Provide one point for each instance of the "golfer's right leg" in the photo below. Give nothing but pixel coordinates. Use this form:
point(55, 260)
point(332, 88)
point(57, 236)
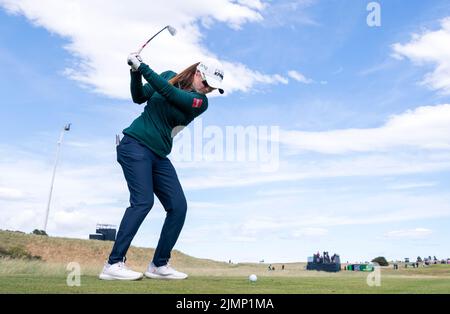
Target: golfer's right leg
point(136, 163)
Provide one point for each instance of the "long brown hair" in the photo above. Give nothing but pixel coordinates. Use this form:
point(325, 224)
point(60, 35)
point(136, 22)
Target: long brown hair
point(184, 79)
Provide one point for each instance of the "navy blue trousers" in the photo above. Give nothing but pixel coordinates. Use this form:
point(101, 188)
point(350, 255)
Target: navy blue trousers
point(147, 173)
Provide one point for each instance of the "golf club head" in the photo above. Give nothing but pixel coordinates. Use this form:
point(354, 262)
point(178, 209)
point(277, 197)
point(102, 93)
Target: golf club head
point(171, 30)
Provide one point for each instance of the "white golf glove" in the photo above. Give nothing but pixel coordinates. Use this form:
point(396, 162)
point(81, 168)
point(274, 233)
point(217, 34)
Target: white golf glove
point(134, 60)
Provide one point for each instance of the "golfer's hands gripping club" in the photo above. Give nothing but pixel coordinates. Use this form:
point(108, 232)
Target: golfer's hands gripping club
point(134, 60)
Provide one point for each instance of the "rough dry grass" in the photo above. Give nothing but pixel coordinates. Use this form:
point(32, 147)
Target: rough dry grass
point(206, 276)
point(88, 253)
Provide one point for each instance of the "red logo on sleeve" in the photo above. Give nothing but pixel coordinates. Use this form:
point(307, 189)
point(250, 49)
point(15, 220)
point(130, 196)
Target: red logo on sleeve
point(197, 103)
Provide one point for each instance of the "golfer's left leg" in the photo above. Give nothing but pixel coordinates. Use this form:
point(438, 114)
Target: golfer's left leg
point(168, 189)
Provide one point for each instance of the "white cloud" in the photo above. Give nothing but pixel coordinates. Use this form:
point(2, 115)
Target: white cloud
point(430, 47)
point(423, 128)
point(299, 77)
point(310, 232)
point(254, 4)
point(247, 78)
point(234, 175)
point(100, 35)
point(297, 216)
point(279, 192)
point(417, 233)
point(410, 143)
point(414, 185)
point(298, 212)
point(289, 13)
point(10, 194)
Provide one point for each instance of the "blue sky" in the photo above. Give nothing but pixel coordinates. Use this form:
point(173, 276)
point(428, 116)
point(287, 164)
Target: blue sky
point(363, 163)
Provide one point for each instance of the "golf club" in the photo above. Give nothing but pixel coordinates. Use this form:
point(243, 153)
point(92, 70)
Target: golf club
point(171, 30)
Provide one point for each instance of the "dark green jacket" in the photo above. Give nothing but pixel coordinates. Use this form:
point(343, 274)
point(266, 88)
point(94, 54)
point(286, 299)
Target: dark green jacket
point(167, 107)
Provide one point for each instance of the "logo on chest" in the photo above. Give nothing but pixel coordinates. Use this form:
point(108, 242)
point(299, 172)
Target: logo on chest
point(197, 102)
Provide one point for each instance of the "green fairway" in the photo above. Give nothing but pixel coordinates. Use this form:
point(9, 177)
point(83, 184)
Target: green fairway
point(227, 285)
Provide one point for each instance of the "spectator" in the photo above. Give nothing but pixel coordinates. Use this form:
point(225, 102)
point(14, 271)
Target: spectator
point(328, 258)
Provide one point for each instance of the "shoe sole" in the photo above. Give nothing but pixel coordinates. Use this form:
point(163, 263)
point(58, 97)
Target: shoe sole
point(109, 277)
point(154, 276)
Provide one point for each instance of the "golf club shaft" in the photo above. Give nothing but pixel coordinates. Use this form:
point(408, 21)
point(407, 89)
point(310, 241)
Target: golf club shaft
point(143, 46)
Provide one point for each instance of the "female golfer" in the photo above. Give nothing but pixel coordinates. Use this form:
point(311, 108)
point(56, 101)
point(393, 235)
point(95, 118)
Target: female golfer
point(173, 100)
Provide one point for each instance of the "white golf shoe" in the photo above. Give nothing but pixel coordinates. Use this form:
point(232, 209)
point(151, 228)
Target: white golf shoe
point(119, 271)
point(164, 272)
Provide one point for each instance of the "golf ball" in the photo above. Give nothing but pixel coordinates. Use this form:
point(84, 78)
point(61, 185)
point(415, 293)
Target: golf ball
point(252, 277)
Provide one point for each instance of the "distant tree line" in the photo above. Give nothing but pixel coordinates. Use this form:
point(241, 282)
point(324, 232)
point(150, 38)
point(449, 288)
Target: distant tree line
point(380, 260)
point(39, 232)
point(35, 231)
